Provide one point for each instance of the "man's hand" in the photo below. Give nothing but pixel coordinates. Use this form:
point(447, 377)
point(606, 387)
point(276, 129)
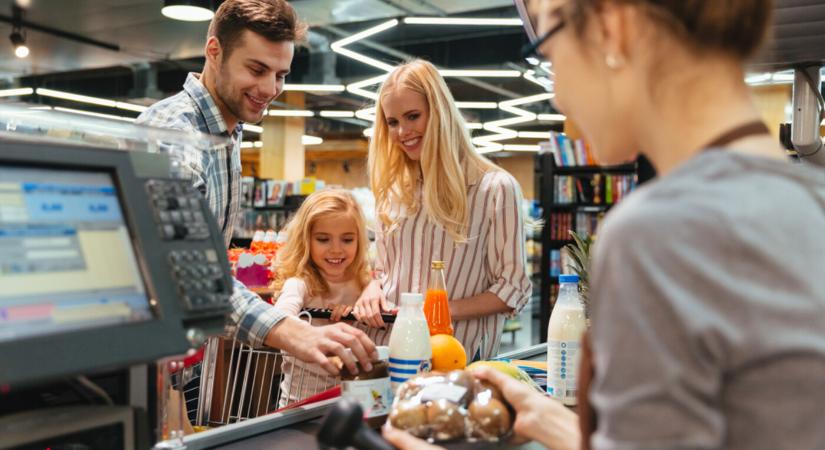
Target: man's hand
point(370, 304)
point(314, 344)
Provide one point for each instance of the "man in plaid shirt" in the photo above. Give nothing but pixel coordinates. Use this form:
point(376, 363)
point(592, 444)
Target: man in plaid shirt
point(248, 52)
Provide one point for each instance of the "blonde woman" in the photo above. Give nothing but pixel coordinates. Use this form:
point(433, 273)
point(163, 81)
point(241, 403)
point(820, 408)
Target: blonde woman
point(438, 199)
point(323, 265)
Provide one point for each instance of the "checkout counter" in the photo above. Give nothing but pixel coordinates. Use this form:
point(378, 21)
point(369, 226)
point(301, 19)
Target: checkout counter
point(111, 261)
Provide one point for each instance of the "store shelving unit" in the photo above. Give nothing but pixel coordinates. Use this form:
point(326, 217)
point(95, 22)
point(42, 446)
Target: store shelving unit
point(546, 173)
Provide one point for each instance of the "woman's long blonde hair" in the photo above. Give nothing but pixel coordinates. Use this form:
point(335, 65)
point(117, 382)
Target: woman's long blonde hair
point(448, 156)
point(294, 258)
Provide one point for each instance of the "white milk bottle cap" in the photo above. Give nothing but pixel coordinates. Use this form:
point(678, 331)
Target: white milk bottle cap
point(412, 299)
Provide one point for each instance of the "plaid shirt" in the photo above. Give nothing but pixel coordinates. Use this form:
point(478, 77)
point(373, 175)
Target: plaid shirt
point(217, 175)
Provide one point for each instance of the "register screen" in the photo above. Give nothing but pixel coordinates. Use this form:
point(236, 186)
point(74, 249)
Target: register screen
point(66, 260)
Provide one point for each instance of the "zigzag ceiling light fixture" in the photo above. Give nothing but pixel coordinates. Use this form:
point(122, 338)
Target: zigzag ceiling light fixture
point(487, 143)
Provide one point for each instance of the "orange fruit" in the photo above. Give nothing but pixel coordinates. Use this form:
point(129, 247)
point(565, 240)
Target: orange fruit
point(448, 353)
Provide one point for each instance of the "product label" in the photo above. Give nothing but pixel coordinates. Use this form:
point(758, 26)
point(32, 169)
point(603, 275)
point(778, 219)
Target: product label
point(402, 370)
point(374, 396)
point(562, 368)
point(451, 392)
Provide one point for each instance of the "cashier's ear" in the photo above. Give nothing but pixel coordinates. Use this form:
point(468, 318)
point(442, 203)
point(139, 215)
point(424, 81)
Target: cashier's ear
point(213, 51)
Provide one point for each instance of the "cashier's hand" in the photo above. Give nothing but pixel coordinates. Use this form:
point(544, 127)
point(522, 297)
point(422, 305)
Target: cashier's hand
point(538, 418)
point(314, 344)
point(405, 441)
point(370, 304)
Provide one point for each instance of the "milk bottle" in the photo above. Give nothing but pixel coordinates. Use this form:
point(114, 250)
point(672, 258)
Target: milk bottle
point(564, 336)
point(410, 351)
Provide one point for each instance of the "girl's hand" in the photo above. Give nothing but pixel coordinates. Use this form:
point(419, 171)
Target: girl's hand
point(339, 311)
point(405, 441)
point(370, 304)
point(538, 418)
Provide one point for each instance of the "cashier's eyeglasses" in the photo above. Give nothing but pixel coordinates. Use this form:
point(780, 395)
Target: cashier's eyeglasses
point(527, 11)
point(531, 50)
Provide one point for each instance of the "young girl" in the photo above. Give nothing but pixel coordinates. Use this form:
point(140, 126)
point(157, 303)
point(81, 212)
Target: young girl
point(323, 265)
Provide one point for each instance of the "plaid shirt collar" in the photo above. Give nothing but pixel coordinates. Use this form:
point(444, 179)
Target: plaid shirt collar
point(206, 104)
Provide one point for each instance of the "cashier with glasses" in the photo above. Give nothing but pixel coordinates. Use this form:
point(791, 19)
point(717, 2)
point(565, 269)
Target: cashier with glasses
point(708, 300)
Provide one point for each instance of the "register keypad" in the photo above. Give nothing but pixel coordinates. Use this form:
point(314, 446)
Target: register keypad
point(200, 279)
point(178, 210)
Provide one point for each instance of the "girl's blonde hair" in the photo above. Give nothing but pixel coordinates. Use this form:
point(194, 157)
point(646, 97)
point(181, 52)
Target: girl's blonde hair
point(448, 157)
point(294, 258)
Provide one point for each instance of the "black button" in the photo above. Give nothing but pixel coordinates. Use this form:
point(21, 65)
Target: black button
point(164, 216)
point(180, 231)
point(173, 203)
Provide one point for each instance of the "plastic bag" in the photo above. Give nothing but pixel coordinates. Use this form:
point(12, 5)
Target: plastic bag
point(453, 406)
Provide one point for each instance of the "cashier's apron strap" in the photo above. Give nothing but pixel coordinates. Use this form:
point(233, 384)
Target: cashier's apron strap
point(587, 415)
point(754, 128)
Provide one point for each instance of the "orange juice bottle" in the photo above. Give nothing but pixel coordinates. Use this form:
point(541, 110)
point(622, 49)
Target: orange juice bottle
point(436, 303)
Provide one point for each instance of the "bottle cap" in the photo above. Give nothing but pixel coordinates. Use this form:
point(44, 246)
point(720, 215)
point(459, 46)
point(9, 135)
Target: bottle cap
point(412, 299)
point(437, 265)
point(383, 352)
point(568, 278)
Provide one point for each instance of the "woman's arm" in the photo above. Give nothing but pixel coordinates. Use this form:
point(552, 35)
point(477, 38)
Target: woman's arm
point(483, 304)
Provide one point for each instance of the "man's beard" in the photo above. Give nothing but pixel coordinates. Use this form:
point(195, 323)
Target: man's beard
point(235, 105)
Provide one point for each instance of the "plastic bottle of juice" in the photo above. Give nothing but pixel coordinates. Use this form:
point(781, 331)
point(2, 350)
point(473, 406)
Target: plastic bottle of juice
point(564, 337)
point(410, 350)
point(436, 303)
point(257, 241)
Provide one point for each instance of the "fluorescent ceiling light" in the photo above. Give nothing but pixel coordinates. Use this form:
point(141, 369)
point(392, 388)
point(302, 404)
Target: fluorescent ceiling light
point(16, 92)
point(783, 76)
point(552, 117)
point(315, 87)
point(525, 100)
point(338, 46)
point(534, 134)
point(247, 144)
point(94, 114)
point(131, 107)
point(368, 132)
point(366, 114)
point(311, 140)
point(520, 148)
point(758, 78)
point(258, 144)
point(357, 87)
point(337, 113)
point(479, 73)
point(477, 105)
point(474, 125)
point(253, 128)
point(187, 10)
point(75, 97)
point(90, 100)
point(462, 21)
point(532, 60)
point(291, 113)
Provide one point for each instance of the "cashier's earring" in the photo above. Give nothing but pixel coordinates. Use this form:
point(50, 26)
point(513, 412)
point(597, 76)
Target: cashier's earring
point(613, 62)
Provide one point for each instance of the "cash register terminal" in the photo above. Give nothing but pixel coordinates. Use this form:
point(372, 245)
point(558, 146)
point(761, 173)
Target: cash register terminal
point(109, 261)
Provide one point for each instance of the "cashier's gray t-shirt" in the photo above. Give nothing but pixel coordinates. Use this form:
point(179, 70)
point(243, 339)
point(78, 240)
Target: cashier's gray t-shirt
point(708, 297)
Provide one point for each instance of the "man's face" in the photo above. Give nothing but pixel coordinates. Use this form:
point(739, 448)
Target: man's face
point(253, 75)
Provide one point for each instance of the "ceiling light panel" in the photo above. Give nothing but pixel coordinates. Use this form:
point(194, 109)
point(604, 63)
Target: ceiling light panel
point(481, 21)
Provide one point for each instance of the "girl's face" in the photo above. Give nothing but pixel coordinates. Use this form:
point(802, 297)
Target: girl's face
point(333, 245)
point(406, 113)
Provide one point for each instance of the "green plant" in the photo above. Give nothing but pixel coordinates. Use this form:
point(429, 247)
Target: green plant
point(579, 252)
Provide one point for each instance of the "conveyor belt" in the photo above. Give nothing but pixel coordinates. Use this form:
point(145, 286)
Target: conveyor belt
point(295, 429)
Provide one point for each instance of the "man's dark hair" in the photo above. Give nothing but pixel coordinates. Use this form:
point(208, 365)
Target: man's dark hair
point(275, 20)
